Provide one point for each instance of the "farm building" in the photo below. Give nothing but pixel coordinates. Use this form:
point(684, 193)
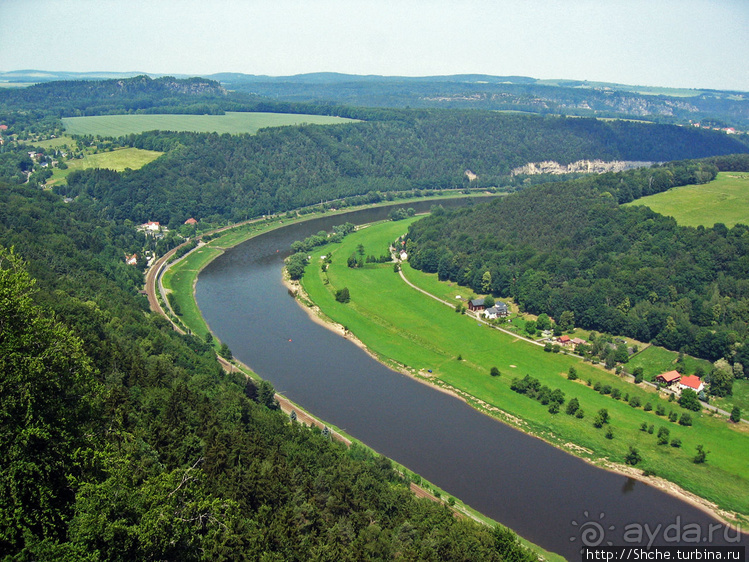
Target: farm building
point(691, 382)
point(476, 304)
point(669, 377)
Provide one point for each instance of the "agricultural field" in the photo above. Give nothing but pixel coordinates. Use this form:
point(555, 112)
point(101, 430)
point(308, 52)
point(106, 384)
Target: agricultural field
point(55, 143)
point(723, 200)
point(413, 331)
point(232, 122)
point(118, 160)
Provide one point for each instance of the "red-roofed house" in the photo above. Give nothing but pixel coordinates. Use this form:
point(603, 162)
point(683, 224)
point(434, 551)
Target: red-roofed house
point(691, 382)
point(191, 221)
point(668, 378)
point(564, 340)
point(3, 127)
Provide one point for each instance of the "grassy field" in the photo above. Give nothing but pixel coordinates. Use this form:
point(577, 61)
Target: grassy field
point(58, 142)
point(232, 123)
point(740, 398)
point(119, 160)
point(403, 325)
point(655, 360)
point(725, 199)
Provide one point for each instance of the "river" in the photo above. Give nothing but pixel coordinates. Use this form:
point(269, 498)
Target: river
point(546, 495)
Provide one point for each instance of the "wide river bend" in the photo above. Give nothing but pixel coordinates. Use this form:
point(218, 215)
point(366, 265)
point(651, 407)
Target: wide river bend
point(546, 495)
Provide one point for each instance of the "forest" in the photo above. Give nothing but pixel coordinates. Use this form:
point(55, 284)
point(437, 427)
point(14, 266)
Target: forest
point(571, 248)
point(240, 177)
point(122, 440)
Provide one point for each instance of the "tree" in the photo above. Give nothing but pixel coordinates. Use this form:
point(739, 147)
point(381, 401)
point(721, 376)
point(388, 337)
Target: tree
point(494, 372)
point(721, 379)
point(633, 456)
point(572, 373)
point(543, 322)
point(489, 301)
point(486, 283)
point(352, 261)
point(689, 400)
point(685, 419)
point(572, 406)
point(45, 410)
point(530, 327)
point(567, 320)
point(225, 352)
point(602, 417)
point(663, 435)
point(342, 295)
point(736, 414)
point(701, 455)
point(638, 373)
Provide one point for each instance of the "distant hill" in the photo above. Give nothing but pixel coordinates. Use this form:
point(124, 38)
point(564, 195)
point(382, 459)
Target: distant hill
point(714, 108)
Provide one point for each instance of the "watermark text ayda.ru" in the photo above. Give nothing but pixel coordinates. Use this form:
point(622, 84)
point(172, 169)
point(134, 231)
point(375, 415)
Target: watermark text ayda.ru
point(596, 532)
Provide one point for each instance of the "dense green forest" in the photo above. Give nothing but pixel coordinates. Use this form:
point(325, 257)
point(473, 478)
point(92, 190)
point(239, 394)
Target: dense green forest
point(622, 270)
point(122, 440)
point(239, 177)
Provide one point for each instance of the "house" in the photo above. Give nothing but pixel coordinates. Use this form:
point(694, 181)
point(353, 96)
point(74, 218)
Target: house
point(578, 341)
point(191, 221)
point(151, 226)
point(131, 260)
point(403, 255)
point(476, 304)
point(3, 127)
point(499, 310)
point(668, 378)
point(691, 382)
point(564, 340)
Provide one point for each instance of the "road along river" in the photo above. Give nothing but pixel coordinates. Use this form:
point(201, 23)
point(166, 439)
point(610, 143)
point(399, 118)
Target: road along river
point(546, 495)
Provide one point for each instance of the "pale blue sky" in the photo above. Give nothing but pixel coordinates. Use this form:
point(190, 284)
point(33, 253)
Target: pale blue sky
point(678, 43)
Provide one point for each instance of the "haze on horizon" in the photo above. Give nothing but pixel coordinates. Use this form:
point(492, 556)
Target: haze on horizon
point(673, 43)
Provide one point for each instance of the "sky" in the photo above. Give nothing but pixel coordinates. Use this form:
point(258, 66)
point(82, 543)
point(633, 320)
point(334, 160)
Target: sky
point(675, 43)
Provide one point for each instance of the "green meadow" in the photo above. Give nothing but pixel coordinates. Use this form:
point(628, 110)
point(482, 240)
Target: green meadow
point(118, 160)
point(723, 200)
point(232, 122)
point(414, 332)
point(655, 360)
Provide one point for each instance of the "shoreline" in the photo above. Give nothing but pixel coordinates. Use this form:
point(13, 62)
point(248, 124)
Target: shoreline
point(666, 486)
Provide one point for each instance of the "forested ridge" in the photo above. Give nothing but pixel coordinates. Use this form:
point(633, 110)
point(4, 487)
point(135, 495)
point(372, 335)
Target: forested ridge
point(122, 440)
point(622, 270)
point(239, 177)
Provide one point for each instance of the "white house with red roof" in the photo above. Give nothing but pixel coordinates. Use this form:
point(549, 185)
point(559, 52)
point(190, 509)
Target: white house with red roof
point(692, 382)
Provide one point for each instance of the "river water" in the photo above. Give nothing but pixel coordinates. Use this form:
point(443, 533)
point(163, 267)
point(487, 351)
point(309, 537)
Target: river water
point(550, 497)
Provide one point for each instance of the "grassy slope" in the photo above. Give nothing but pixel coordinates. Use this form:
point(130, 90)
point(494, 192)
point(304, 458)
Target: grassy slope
point(397, 322)
point(655, 360)
point(231, 122)
point(725, 199)
point(119, 160)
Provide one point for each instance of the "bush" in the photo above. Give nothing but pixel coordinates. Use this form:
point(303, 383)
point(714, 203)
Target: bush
point(736, 414)
point(634, 401)
point(644, 427)
point(632, 457)
point(573, 406)
point(647, 407)
point(663, 435)
point(676, 442)
point(609, 433)
point(494, 372)
point(580, 414)
point(342, 295)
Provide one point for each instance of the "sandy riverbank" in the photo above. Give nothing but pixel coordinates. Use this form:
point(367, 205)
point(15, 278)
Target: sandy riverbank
point(318, 316)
